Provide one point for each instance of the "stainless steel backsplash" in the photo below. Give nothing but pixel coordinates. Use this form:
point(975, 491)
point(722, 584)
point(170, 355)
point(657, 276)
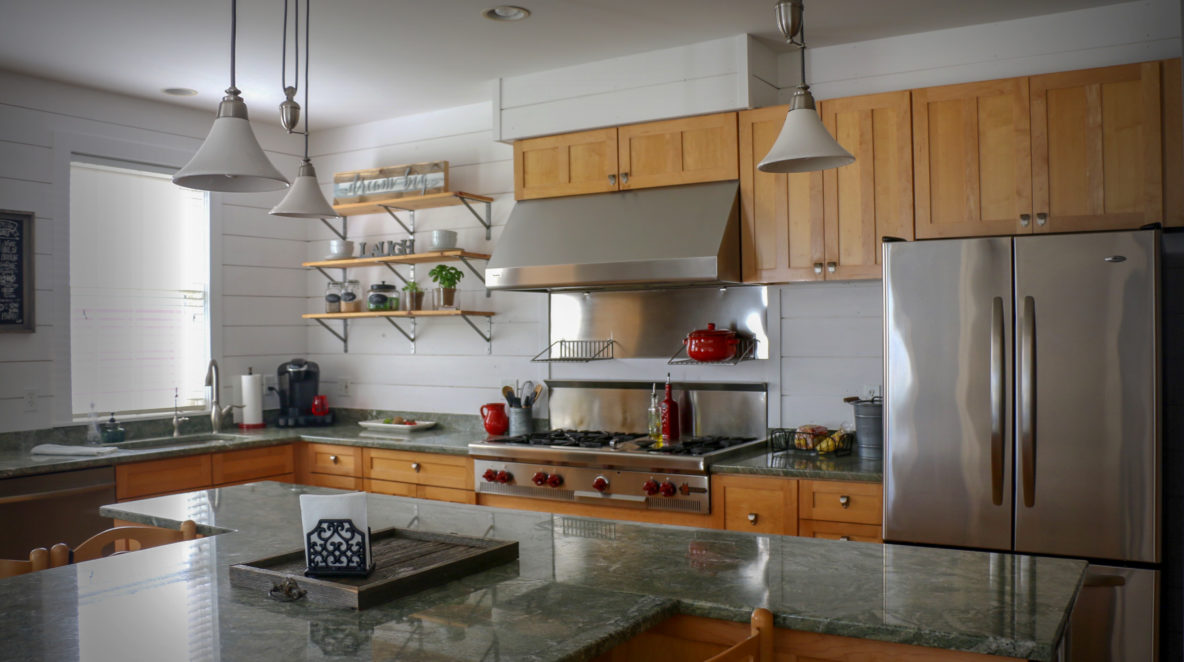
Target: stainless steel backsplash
point(739, 409)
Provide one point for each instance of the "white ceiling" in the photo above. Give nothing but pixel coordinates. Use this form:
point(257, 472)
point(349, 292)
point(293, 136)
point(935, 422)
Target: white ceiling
point(376, 59)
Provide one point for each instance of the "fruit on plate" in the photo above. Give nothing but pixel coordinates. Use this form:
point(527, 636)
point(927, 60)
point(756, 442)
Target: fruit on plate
point(397, 420)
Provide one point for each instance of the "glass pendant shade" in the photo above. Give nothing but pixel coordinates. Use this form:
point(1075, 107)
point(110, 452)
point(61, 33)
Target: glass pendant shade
point(804, 144)
point(304, 199)
point(230, 160)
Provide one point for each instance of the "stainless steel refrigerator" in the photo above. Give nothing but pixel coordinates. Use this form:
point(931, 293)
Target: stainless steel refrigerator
point(1022, 412)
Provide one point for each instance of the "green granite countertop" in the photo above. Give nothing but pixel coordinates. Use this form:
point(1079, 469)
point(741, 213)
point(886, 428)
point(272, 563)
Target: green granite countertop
point(794, 464)
point(580, 587)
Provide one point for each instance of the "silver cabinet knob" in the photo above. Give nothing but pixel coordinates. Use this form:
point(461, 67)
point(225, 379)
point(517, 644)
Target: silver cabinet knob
point(752, 518)
point(333, 459)
point(831, 266)
point(624, 178)
point(612, 180)
point(1041, 218)
point(817, 267)
point(844, 501)
point(1025, 220)
point(844, 537)
point(415, 467)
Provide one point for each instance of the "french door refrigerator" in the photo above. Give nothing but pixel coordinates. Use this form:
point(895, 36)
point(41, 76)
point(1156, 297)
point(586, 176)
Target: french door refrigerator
point(1022, 412)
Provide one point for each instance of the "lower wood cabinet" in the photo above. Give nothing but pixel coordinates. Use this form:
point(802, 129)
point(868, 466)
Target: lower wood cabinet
point(138, 480)
point(252, 464)
point(839, 510)
point(421, 475)
point(758, 505)
point(809, 528)
point(331, 465)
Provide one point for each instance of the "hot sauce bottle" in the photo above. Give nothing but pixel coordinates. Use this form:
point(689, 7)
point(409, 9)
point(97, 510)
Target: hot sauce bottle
point(669, 414)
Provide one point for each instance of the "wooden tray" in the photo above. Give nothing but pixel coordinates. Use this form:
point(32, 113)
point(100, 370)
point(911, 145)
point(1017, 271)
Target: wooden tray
point(405, 562)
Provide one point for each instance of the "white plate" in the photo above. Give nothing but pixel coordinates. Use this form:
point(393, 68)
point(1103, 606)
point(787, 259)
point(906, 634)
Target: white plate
point(347, 256)
point(397, 427)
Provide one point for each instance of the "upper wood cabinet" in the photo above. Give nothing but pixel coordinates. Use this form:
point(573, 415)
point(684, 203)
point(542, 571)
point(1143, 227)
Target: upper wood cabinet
point(1097, 148)
point(567, 164)
point(1173, 143)
point(972, 159)
point(873, 197)
point(681, 151)
point(781, 225)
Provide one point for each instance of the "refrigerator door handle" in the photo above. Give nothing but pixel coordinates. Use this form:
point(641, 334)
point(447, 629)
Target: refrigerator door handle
point(997, 401)
point(1027, 401)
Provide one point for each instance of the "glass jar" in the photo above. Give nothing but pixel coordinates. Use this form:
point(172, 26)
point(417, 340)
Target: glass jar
point(382, 297)
point(333, 297)
point(350, 303)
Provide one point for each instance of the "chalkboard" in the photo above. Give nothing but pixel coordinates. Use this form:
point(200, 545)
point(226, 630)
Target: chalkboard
point(16, 271)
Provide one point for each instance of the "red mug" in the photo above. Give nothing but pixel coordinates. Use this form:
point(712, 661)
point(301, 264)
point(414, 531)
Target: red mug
point(320, 405)
point(494, 414)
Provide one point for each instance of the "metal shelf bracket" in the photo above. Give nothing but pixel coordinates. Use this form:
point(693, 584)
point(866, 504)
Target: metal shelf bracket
point(476, 272)
point(391, 209)
point(409, 336)
point(344, 227)
point(486, 335)
point(396, 271)
point(343, 336)
point(485, 221)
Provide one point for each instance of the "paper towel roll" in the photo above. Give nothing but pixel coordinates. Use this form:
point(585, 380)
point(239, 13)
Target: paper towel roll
point(252, 390)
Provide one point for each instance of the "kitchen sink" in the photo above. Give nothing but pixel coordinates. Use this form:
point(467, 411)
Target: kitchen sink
point(156, 443)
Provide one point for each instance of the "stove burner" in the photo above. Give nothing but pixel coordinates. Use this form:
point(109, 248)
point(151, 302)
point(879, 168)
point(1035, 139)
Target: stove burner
point(700, 445)
point(624, 441)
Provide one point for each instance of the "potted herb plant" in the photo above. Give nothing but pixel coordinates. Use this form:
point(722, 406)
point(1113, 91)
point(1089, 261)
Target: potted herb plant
point(413, 297)
point(447, 278)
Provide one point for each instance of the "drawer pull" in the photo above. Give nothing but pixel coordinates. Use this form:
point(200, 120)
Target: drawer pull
point(844, 501)
point(845, 538)
point(831, 266)
point(752, 518)
point(1025, 220)
point(612, 180)
point(415, 467)
point(333, 459)
point(817, 267)
point(624, 178)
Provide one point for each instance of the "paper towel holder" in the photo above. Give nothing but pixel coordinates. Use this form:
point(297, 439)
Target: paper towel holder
point(337, 548)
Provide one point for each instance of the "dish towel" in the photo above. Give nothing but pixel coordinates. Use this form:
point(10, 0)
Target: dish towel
point(62, 449)
point(334, 546)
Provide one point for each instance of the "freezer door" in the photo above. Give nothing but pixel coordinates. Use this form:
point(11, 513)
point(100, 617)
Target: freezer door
point(1087, 395)
point(947, 392)
point(1116, 617)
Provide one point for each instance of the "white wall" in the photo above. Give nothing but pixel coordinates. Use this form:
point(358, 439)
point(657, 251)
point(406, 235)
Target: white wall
point(255, 258)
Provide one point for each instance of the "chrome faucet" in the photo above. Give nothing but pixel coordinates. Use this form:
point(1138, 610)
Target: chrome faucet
point(178, 419)
point(216, 410)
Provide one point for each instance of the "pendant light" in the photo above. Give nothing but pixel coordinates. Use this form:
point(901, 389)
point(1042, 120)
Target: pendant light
point(230, 159)
point(804, 144)
point(304, 199)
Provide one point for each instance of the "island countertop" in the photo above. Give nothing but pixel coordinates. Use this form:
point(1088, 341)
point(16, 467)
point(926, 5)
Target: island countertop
point(580, 587)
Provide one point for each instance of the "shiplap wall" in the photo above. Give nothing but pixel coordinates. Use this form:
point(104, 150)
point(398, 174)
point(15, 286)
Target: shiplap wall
point(256, 316)
point(452, 369)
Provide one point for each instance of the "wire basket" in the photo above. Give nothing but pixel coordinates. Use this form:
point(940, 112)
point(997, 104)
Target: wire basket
point(576, 351)
point(836, 442)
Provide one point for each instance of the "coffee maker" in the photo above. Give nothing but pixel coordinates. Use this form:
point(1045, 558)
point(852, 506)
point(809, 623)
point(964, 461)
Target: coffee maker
point(297, 383)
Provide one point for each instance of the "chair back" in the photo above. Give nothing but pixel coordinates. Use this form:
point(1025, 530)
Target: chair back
point(758, 647)
point(38, 560)
point(136, 537)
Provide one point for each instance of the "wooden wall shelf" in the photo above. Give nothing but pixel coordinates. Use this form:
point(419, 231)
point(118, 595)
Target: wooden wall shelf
point(410, 335)
point(410, 203)
point(398, 313)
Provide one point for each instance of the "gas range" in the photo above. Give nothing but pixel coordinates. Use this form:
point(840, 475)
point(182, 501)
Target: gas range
point(608, 468)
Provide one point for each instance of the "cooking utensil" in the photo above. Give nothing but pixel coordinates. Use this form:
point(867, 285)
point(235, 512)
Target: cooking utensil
point(508, 392)
point(533, 396)
point(711, 344)
point(525, 389)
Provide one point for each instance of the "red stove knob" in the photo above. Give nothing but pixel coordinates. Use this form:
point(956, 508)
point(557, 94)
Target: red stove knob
point(668, 489)
point(490, 475)
point(600, 484)
point(554, 480)
point(539, 478)
point(504, 476)
point(650, 487)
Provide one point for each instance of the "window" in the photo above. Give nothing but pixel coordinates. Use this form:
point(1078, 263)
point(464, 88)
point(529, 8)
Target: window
point(139, 290)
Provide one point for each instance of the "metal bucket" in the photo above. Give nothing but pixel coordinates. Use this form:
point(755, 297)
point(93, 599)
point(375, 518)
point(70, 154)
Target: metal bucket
point(869, 427)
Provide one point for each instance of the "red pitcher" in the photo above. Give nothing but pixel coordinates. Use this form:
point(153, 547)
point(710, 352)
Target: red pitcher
point(495, 417)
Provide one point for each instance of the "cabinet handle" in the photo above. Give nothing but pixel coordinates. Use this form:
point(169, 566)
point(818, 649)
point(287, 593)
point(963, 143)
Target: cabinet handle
point(612, 180)
point(844, 501)
point(1041, 218)
point(333, 459)
point(845, 538)
point(831, 266)
point(415, 467)
point(752, 518)
point(817, 267)
point(1025, 220)
point(624, 178)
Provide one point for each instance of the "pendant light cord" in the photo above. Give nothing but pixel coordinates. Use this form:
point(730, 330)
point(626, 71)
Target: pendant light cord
point(233, 36)
point(307, 22)
point(295, 46)
point(802, 55)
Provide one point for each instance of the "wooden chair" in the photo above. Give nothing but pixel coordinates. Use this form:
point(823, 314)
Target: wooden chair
point(758, 647)
point(38, 560)
point(139, 536)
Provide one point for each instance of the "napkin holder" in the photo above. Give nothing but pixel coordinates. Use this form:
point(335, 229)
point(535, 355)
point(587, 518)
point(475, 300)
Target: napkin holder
point(337, 548)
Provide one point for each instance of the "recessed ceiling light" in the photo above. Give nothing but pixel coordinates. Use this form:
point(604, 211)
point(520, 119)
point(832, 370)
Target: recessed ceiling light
point(179, 91)
point(506, 13)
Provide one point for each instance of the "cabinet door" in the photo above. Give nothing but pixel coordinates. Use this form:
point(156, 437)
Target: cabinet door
point(1097, 157)
point(454, 471)
point(156, 477)
point(252, 464)
point(682, 151)
point(333, 459)
point(758, 505)
point(781, 215)
point(567, 164)
point(836, 501)
point(972, 159)
point(809, 528)
point(872, 197)
point(1173, 143)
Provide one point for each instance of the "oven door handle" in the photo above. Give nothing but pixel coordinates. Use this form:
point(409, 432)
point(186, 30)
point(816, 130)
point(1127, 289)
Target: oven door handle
point(623, 499)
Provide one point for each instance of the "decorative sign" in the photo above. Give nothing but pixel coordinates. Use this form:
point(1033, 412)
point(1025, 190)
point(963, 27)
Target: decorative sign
point(391, 182)
point(16, 271)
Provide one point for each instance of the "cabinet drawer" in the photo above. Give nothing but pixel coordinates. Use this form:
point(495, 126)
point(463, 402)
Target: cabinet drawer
point(252, 464)
point(758, 505)
point(333, 459)
point(857, 503)
point(446, 494)
point(176, 474)
point(390, 487)
point(840, 531)
point(336, 482)
point(279, 478)
point(419, 468)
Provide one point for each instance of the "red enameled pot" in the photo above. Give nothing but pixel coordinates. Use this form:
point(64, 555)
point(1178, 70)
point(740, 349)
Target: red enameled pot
point(711, 344)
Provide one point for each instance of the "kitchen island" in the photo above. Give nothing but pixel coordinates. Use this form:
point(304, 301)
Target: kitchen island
point(580, 588)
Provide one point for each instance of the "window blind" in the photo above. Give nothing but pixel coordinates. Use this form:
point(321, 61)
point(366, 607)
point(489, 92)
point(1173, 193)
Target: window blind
point(139, 291)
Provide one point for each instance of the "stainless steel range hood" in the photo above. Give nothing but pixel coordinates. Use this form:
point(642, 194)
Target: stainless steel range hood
point(680, 235)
